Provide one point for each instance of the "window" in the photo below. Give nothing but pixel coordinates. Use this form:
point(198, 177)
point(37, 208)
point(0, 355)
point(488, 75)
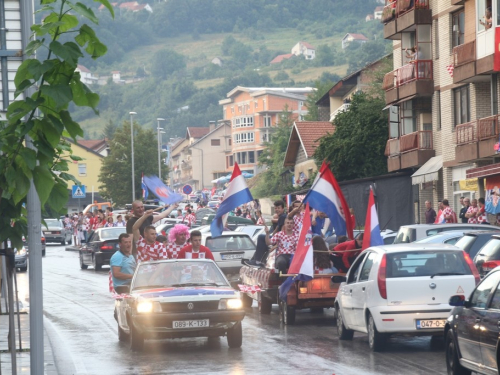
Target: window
point(238, 160)
point(437, 96)
point(355, 269)
point(436, 38)
point(242, 122)
point(301, 104)
point(480, 295)
point(232, 109)
point(256, 104)
point(365, 271)
point(267, 122)
point(408, 120)
point(495, 302)
point(215, 142)
point(462, 110)
point(259, 153)
point(394, 121)
point(82, 169)
point(243, 158)
point(426, 263)
point(251, 157)
point(494, 93)
point(457, 28)
point(229, 141)
point(243, 137)
point(231, 160)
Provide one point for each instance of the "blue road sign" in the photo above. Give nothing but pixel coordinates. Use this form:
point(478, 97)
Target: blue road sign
point(78, 191)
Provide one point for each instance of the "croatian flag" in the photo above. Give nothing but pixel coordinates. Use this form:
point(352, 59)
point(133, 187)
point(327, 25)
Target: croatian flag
point(326, 196)
point(237, 194)
point(440, 218)
point(372, 235)
point(288, 200)
point(145, 191)
point(302, 262)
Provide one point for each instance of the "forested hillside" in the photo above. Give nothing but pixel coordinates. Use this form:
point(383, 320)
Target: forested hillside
point(170, 49)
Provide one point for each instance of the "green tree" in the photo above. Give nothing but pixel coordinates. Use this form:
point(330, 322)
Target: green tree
point(324, 56)
point(356, 149)
point(115, 176)
point(322, 88)
point(166, 62)
point(109, 130)
point(44, 91)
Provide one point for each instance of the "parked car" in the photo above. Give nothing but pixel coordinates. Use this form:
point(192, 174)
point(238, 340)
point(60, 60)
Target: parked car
point(101, 245)
point(488, 256)
point(232, 221)
point(184, 298)
point(251, 230)
point(415, 232)
point(228, 250)
point(375, 296)
point(44, 245)
point(450, 237)
point(213, 204)
point(472, 242)
point(56, 232)
point(21, 259)
point(472, 330)
point(388, 236)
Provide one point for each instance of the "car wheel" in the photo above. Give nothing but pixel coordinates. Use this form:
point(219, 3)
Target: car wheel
point(122, 336)
point(83, 266)
point(63, 242)
point(265, 306)
point(235, 336)
point(342, 331)
point(376, 340)
point(96, 264)
point(136, 339)
point(287, 314)
point(453, 365)
point(246, 300)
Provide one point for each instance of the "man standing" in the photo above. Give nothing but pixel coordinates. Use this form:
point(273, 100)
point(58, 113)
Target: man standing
point(122, 262)
point(147, 247)
point(439, 217)
point(177, 240)
point(430, 214)
point(465, 202)
point(471, 213)
point(318, 222)
point(297, 214)
point(449, 215)
point(195, 250)
point(190, 218)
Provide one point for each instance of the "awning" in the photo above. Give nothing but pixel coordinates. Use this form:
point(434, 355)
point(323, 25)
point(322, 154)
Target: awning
point(484, 171)
point(428, 172)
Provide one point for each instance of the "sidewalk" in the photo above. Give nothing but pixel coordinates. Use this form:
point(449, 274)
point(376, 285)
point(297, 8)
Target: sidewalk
point(23, 355)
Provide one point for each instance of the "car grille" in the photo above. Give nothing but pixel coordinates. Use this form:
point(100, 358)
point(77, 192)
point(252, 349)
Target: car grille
point(199, 306)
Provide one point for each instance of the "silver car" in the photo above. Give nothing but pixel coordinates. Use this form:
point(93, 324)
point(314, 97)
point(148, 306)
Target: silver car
point(56, 232)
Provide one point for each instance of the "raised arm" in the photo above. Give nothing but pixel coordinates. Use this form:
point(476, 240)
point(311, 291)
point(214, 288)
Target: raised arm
point(165, 213)
point(137, 225)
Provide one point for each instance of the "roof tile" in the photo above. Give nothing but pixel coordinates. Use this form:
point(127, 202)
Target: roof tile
point(311, 131)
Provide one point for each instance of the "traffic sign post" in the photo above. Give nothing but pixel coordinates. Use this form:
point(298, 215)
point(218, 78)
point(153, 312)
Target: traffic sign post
point(187, 189)
point(78, 191)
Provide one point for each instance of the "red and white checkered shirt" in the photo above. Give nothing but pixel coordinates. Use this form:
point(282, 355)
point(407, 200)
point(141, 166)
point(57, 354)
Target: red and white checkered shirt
point(260, 221)
point(86, 224)
point(286, 244)
point(449, 212)
point(190, 220)
point(297, 222)
point(147, 252)
point(482, 216)
point(173, 250)
point(472, 210)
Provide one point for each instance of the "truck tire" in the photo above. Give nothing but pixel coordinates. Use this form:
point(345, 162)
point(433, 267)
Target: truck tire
point(265, 306)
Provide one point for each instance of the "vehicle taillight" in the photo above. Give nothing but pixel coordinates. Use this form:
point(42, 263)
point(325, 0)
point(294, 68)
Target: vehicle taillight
point(382, 285)
point(106, 246)
point(472, 267)
point(489, 265)
point(43, 239)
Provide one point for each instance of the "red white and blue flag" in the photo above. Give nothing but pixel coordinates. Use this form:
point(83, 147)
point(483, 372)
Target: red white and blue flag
point(302, 263)
point(372, 235)
point(237, 193)
point(145, 191)
point(288, 200)
point(326, 196)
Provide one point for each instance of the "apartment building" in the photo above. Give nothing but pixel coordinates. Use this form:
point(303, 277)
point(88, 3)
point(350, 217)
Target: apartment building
point(443, 97)
point(253, 113)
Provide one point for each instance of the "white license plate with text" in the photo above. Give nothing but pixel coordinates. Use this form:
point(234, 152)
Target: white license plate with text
point(231, 256)
point(190, 323)
point(431, 323)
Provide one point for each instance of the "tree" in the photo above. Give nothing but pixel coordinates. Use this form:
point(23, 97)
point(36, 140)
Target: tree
point(109, 130)
point(322, 88)
point(166, 62)
point(40, 115)
point(115, 175)
point(356, 148)
point(324, 56)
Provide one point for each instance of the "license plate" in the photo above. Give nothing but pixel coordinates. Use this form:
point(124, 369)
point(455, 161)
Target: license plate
point(231, 256)
point(190, 323)
point(431, 323)
point(48, 232)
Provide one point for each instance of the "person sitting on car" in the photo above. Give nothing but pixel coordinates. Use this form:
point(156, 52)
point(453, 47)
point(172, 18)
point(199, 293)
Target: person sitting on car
point(321, 257)
point(195, 250)
point(148, 248)
point(122, 262)
point(344, 256)
point(286, 240)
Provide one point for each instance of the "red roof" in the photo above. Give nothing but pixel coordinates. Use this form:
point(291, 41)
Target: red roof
point(93, 144)
point(358, 36)
point(310, 131)
point(81, 68)
point(197, 132)
point(280, 58)
point(307, 45)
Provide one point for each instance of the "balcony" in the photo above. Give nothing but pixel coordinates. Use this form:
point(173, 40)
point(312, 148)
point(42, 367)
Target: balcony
point(457, 2)
point(400, 15)
point(477, 139)
point(414, 79)
point(464, 62)
point(410, 150)
point(393, 155)
point(344, 107)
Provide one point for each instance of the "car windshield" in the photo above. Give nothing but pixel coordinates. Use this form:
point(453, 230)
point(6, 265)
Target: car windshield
point(440, 238)
point(426, 263)
point(177, 274)
point(230, 243)
point(112, 233)
point(405, 235)
point(464, 242)
point(53, 223)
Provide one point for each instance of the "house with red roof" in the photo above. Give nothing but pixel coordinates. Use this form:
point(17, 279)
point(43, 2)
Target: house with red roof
point(377, 13)
point(353, 38)
point(86, 75)
point(304, 139)
point(100, 146)
point(280, 58)
point(304, 49)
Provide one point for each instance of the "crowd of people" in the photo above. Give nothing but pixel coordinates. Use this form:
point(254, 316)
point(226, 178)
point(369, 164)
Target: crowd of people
point(471, 212)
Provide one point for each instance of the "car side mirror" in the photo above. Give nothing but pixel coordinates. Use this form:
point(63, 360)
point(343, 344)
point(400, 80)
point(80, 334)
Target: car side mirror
point(339, 279)
point(122, 289)
point(457, 300)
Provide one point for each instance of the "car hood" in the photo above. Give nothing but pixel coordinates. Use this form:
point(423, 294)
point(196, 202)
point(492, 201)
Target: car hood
point(186, 291)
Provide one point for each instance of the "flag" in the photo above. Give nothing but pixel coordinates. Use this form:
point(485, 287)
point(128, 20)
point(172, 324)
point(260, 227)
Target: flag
point(160, 190)
point(372, 235)
point(326, 196)
point(237, 193)
point(145, 191)
point(440, 218)
point(300, 197)
point(288, 200)
point(212, 193)
point(496, 55)
point(302, 262)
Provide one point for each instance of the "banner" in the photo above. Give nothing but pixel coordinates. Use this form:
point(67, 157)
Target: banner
point(470, 184)
point(496, 61)
point(161, 191)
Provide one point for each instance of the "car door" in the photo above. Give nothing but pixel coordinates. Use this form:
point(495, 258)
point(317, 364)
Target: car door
point(469, 321)
point(361, 290)
point(87, 248)
point(349, 291)
point(490, 328)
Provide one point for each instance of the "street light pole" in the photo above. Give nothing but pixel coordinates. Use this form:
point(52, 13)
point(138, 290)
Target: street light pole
point(132, 147)
point(158, 129)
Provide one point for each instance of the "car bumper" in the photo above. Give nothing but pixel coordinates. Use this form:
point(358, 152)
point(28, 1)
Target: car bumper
point(21, 262)
point(403, 319)
point(104, 258)
point(161, 323)
point(54, 237)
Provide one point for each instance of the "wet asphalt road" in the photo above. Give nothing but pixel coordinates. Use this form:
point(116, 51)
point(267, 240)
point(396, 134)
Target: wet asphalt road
point(83, 333)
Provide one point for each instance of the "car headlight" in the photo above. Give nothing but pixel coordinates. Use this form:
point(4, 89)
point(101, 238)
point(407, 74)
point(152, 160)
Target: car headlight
point(144, 307)
point(230, 304)
point(21, 252)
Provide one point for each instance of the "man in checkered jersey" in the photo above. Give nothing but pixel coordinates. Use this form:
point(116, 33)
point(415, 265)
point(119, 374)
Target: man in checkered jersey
point(177, 239)
point(147, 247)
point(195, 250)
point(286, 240)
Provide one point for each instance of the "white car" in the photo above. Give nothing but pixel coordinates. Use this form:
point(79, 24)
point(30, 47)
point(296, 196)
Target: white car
point(415, 232)
point(402, 289)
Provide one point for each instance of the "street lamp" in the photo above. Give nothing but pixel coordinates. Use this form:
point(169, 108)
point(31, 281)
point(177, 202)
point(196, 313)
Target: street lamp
point(132, 147)
point(158, 129)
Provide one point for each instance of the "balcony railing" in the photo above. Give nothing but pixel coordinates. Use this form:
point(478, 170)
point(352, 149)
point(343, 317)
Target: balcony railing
point(419, 140)
point(466, 133)
point(487, 127)
point(418, 69)
point(464, 53)
point(392, 147)
point(344, 107)
point(390, 80)
point(399, 7)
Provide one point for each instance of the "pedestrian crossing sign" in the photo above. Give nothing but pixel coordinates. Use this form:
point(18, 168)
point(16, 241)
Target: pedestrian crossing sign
point(78, 191)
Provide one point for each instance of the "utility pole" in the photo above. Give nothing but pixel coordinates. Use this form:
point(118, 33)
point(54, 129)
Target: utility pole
point(132, 147)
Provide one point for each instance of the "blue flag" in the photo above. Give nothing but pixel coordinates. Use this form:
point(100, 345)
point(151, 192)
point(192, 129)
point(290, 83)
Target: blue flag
point(161, 191)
